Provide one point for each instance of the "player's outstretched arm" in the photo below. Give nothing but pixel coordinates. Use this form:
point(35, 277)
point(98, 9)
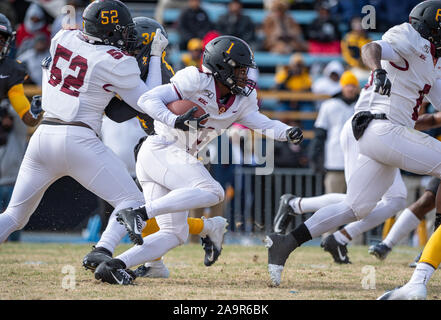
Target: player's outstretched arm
point(22, 106)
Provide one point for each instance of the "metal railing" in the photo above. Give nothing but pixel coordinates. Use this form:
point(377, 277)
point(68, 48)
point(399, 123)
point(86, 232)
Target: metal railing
point(256, 197)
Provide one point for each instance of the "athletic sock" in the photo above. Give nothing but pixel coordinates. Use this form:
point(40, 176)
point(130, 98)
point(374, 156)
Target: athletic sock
point(422, 274)
point(405, 223)
point(301, 234)
point(341, 238)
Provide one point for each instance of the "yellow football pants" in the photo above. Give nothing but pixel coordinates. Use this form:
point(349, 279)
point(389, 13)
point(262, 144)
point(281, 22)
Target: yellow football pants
point(195, 226)
point(432, 251)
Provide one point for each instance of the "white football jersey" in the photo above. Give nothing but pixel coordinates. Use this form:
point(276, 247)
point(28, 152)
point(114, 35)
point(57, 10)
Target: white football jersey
point(83, 78)
point(199, 87)
point(411, 78)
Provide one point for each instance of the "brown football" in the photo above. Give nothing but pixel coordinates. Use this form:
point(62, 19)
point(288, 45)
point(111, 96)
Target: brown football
point(180, 107)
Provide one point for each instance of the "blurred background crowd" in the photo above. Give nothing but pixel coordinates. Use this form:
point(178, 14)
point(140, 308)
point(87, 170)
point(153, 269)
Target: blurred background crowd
point(308, 50)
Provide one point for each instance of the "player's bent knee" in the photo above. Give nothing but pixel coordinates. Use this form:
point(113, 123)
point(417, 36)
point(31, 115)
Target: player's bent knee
point(396, 204)
point(181, 232)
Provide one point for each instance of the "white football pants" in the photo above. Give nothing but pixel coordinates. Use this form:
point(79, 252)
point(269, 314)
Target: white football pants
point(173, 182)
point(383, 148)
point(55, 151)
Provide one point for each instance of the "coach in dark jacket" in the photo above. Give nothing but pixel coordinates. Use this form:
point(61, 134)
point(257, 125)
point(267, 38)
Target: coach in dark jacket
point(193, 23)
point(236, 24)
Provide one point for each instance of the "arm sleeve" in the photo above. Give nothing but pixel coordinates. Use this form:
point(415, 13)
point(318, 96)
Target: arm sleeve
point(257, 120)
point(132, 94)
point(434, 95)
point(154, 103)
point(154, 77)
point(18, 100)
point(387, 52)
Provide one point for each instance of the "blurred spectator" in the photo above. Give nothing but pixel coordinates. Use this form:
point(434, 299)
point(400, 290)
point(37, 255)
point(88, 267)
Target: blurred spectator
point(63, 20)
point(329, 82)
point(34, 22)
point(163, 5)
point(282, 34)
point(294, 77)
point(13, 142)
point(194, 55)
point(289, 155)
point(20, 7)
point(345, 10)
point(32, 58)
point(392, 12)
point(7, 9)
point(326, 154)
point(351, 49)
point(323, 33)
point(236, 24)
point(193, 23)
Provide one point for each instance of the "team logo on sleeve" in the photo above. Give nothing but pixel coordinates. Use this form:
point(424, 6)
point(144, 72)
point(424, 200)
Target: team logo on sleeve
point(208, 94)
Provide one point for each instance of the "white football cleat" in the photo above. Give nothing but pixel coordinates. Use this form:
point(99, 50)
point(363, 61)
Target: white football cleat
point(216, 229)
point(153, 269)
point(410, 291)
point(212, 237)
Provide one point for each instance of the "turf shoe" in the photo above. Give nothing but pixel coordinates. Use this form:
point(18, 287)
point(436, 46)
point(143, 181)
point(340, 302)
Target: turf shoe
point(279, 248)
point(114, 272)
point(152, 269)
point(284, 214)
point(132, 220)
point(214, 231)
point(379, 250)
point(98, 254)
point(410, 291)
point(338, 251)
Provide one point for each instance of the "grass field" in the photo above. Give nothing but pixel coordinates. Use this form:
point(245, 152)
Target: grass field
point(35, 271)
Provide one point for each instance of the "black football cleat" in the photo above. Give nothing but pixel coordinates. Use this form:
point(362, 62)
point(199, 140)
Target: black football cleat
point(133, 222)
point(211, 252)
point(279, 248)
point(338, 251)
point(98, 254)
point(114, 272)
point(379, 250)
point(284, 214)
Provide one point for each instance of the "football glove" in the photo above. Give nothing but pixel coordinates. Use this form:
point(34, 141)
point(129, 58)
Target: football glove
point(382, 84)
point(159, 44)
point(45, 63)
point(294, 135)
point(187, 120)
point(36, 108)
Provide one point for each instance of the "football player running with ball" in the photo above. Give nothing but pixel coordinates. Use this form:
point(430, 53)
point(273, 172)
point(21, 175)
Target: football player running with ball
point(172, 178)
point(150, 54)
point(405, 67)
